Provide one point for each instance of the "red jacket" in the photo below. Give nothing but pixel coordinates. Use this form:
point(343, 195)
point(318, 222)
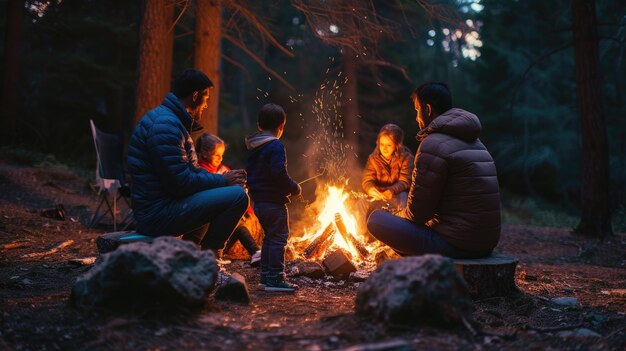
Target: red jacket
point(221, 169)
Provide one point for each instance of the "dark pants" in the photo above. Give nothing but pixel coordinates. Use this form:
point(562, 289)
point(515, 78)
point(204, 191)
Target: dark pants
point(207, 217)
point(274, 220)
point(242, 234)
point(408, 239)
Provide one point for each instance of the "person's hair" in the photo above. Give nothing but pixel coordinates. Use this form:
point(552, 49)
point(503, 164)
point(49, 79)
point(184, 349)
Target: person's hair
point(437, 94)
point(394, 132)
point(206, 144)
point(271, 116)
point(189, 81)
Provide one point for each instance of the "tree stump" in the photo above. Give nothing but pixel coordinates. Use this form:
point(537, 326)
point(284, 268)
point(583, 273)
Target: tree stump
point(489, 276)
point(108, 242)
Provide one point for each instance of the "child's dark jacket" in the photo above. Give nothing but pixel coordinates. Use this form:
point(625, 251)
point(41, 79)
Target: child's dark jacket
point(268, 180)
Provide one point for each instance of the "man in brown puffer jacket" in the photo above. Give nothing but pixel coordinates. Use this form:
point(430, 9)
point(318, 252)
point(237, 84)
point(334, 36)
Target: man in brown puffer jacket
point(454, 200)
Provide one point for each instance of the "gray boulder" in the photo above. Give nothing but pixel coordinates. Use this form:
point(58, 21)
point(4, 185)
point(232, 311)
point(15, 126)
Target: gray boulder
point(168, 272)
point(415, 290)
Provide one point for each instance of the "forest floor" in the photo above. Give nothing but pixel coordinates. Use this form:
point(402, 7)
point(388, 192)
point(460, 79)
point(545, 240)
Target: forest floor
point(36, 312)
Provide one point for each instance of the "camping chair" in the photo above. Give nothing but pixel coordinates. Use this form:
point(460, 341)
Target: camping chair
point(110, 179)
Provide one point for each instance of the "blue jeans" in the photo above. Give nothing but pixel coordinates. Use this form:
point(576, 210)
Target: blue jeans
point(408, 239)
point(207, 217)
point(274, 219)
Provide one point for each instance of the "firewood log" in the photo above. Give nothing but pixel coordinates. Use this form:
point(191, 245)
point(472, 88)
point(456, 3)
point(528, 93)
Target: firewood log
point(341, 226)
point(320, 243)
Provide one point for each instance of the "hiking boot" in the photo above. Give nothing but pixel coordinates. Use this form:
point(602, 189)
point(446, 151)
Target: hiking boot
point(255, 260)
point(279, 283)
point(263, 280)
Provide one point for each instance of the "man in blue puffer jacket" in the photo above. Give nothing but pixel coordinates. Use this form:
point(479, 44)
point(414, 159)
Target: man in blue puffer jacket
point(171, 194)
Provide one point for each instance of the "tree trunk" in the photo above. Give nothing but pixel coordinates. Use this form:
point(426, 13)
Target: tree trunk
point(207, 55)
point(10, 82)
point(152, 57)
point(596, 216)
point(351, 108)
point(166, 78)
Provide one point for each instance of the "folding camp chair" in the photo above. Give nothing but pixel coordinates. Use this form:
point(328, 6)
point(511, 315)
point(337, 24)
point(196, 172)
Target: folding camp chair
point(110, 179)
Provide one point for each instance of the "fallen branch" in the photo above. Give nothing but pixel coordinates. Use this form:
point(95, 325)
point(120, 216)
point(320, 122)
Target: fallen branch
point(51, 251)
point(13, 245)
point(86, 261)
point(554, 329)
point(476, 333)
point(469, 327)
point(60, 187)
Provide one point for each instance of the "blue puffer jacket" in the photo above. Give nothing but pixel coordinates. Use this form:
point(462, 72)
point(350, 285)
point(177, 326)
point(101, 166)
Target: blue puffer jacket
point(268, 180)
point(162, 162)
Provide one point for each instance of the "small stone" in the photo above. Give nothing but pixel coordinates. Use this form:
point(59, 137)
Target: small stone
point(581, 332)
point(358, 276)
point(565, 301)
point(307, 269)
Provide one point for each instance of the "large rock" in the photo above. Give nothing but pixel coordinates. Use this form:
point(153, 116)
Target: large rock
point(167, 272)
point(414, 290)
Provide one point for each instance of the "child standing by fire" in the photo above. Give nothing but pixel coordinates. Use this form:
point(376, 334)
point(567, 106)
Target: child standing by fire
point(387, 174)
point(210, 149)
point(270, 186)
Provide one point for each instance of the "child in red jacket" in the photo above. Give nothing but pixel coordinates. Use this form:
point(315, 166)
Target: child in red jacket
point(210, 149)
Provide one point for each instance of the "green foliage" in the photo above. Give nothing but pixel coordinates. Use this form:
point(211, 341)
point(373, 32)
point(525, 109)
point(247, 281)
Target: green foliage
point(528, 211)
point(527, 97)
point(20, 156)
point(78, 64)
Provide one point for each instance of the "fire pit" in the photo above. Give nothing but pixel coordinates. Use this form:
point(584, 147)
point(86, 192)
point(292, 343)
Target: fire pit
point(333, 236)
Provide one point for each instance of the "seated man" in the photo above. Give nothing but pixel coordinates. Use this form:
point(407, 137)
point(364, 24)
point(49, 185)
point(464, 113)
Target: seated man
point(453, 207)
point(171, 194)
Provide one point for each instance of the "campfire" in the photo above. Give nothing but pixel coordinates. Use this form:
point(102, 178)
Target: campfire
point(334, 229)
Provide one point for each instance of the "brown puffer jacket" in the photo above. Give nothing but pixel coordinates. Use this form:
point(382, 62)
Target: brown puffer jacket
point(394, 175)
point(455, 187)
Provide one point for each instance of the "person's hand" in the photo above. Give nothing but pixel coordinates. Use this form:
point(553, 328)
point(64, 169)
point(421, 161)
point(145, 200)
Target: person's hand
point(236, 177)
point(373, 192)
point(387, 195)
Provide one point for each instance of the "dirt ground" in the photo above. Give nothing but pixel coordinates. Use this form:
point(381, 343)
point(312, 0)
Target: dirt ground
point(36, 313)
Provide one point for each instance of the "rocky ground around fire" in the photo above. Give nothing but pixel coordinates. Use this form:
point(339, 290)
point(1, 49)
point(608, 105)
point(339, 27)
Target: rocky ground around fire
point(36, 312)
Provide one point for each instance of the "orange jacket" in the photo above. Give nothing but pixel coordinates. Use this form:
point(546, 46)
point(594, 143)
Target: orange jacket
point(394, 175)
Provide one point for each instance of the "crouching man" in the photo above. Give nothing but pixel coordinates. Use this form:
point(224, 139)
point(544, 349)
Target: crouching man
point(453, 207)
point(171, 194)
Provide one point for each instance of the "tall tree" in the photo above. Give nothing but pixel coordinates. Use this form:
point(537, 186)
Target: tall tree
point(207, 54)
point(11, 71)
point(153, 56)
point(596, 215)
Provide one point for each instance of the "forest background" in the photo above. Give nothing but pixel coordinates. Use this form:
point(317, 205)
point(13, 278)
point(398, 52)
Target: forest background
point(510, 62)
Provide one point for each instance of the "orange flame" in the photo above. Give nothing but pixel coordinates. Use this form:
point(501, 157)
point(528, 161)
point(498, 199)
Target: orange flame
point(335, 203)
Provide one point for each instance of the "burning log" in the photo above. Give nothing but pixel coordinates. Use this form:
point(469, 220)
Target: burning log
point(338, 264)
point(341, 226)
point(320, 243)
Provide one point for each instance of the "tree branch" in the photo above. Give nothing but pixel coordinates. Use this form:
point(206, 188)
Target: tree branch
point(258, 60)
point(238, 65)
point(252, 19)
